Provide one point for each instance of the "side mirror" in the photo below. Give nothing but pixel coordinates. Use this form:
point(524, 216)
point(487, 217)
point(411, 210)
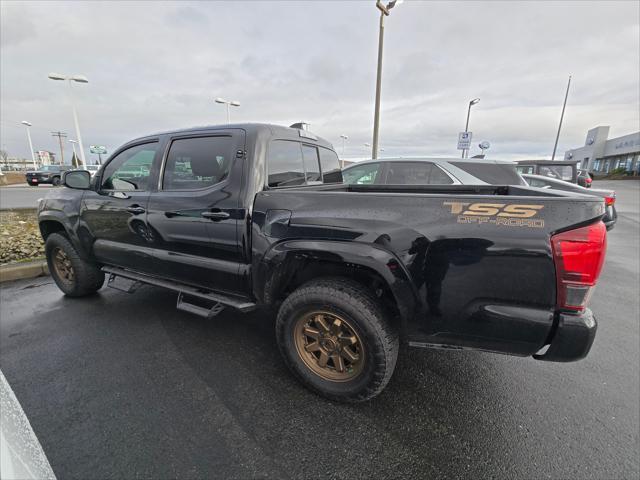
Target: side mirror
point(78, 179)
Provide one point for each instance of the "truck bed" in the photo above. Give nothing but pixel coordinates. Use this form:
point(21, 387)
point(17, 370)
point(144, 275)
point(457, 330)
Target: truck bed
point(474, 257)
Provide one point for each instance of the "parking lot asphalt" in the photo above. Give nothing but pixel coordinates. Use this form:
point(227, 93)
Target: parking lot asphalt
point(124, 386)
point(22, 196)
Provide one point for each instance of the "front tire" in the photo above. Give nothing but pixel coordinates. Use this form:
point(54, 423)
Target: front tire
point(73, 275)
point(334, 336)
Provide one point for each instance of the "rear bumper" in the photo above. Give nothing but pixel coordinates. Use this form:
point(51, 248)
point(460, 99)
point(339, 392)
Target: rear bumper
point(573, 338)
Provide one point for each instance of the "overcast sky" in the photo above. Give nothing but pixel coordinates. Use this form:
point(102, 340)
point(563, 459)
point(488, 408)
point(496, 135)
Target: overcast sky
point(158, 66)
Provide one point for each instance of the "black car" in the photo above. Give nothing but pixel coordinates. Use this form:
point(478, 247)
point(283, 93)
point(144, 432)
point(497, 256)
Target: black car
point(610, 217)
point(46, 174)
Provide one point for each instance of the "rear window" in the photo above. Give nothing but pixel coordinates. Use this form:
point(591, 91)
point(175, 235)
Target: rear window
point(492, 173)
point(331, 172)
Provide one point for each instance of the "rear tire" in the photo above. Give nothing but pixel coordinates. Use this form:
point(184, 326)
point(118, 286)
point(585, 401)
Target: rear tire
point(73, 275)
point(334, 336)
point(56, 181)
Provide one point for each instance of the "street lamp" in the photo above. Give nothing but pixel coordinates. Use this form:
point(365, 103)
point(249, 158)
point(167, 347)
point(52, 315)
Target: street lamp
point(227, 103)
point(73, 145)
point(79, 79)
point(33, 155)
point(466, 127)
point(344, 139)
point(384, 12)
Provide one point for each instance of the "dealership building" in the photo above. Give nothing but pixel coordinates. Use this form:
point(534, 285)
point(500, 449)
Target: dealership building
point(601, 154)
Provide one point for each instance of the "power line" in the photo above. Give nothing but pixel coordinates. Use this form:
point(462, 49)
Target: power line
point(60, 136)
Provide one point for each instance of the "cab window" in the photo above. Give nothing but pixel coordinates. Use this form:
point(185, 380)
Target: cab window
point(311, 163)
point(330, 164)
point(196, 163)
point(130, 169)
point(284, 164)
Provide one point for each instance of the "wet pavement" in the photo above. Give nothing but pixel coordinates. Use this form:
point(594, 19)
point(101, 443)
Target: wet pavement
point(22, 196)
point(125, 386)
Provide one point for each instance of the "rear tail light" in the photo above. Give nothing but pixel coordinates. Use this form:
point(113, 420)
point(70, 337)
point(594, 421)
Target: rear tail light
point(588, 180)
point(578, 256)
point(608, 201)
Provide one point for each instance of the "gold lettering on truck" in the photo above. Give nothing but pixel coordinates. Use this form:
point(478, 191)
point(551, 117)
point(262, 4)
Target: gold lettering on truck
point(499, 214)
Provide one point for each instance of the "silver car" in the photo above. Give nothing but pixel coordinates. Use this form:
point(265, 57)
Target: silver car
point(432, 171)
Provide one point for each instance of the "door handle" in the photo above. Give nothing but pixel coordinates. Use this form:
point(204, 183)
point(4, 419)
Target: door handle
point(215, 215)
point(135, 209)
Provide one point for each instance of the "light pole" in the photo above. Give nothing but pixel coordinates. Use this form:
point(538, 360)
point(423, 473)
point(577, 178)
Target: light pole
point(79, 79)
point(33, 155)
point(73, 145)
point(566, 95)
point(235, 103)
point(466, 127)
point(344, 139)
point(384, 12)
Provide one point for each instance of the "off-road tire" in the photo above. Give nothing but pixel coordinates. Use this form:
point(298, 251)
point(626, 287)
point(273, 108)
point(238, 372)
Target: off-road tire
point(88, 278)
point(359, 308)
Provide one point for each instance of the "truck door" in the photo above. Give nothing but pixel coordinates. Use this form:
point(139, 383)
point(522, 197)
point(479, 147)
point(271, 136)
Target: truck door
point(115, 212)
point(195, 210)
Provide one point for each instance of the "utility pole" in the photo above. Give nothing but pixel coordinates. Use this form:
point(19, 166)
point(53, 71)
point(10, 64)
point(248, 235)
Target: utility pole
point(384, 11)
point(566, 95)
point(60, 136)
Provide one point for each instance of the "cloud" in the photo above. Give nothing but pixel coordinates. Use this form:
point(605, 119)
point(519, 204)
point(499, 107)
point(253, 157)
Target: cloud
point(158, 66)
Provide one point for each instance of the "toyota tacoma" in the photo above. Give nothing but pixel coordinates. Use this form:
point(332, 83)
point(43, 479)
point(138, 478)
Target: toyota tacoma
point(256, 216)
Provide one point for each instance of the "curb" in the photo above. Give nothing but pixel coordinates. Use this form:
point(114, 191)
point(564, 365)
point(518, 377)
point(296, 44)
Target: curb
point(21, 271)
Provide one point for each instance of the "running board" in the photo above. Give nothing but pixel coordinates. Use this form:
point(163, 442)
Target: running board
point(238, 303)
point(185, 306)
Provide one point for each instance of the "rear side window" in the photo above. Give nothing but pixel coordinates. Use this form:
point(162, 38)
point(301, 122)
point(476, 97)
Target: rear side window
point(416, 173)
point(284, 164)
point(491, 173)
point(194, 163)
point(331, 172)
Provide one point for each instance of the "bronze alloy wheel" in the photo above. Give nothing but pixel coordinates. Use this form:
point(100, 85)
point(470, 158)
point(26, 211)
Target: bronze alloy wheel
point(329, 346)
point(62, 265)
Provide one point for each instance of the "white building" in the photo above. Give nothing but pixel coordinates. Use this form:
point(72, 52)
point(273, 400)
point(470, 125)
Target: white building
point(602, 155)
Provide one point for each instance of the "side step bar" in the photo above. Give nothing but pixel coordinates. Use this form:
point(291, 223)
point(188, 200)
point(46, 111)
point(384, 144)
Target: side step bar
point(219, 300)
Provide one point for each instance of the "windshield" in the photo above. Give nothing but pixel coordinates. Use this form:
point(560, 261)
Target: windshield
point(49, 168)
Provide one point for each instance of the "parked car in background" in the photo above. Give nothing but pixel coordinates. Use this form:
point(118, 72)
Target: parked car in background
point(92, 169)
point(566, 170)
point(609, 196)
point(584, 179)
point(46, 174)
point(432, 171)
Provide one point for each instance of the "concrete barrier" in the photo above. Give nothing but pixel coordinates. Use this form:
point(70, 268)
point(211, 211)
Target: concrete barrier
point(20, 271)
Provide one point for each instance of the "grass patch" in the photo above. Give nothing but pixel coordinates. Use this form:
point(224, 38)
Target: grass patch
point(20, 238)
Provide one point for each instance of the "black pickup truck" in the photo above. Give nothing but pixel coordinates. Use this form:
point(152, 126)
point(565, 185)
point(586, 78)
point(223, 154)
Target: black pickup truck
point(256, 216)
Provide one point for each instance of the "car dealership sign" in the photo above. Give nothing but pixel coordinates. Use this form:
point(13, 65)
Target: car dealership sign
point(100, 149)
